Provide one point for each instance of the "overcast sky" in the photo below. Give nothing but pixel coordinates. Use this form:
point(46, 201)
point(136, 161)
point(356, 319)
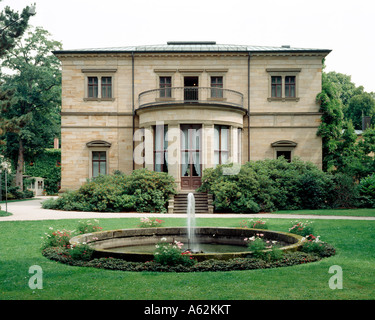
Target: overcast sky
point(344, 26)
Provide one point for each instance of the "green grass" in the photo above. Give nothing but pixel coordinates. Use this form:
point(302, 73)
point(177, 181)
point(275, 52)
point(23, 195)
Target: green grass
point(332, 212)
point(19, 200)
point(4, 213)
point(354, 241)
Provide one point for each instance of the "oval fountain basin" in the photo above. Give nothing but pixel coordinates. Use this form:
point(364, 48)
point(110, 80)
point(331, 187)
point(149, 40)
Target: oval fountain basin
point(123, 243)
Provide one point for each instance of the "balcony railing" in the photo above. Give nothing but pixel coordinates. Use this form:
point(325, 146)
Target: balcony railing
point(190, 95)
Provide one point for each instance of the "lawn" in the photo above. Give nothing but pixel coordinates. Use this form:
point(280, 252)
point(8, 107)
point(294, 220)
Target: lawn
point(354, 241)
point(4, 213)
point(362, 212)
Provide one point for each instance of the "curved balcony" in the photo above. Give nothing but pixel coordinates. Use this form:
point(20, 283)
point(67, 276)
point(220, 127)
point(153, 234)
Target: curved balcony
point(190, 95)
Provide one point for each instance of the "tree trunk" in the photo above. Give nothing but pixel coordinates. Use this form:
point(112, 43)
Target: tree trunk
point(20, 162)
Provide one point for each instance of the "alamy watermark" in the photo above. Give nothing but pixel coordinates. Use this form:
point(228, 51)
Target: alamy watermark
point(36, 280)
point(336, 281)
point(201, 143)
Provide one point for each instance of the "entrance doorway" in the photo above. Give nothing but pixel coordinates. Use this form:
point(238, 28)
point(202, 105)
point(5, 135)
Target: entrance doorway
point(191, 88)
point(191, 156)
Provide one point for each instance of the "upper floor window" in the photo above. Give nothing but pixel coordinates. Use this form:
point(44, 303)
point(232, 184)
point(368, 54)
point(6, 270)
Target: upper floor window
point(276, 86)
point(107, 87)
point(290, 86)
point(216, 87)
point(283, 84)
point(92, 91)
point(99, 84)
point(165, 87)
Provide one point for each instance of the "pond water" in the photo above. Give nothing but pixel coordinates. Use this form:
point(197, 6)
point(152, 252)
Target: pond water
point(204, 247)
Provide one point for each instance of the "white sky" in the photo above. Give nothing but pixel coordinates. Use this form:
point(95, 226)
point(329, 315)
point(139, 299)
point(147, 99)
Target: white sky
point(345, 26)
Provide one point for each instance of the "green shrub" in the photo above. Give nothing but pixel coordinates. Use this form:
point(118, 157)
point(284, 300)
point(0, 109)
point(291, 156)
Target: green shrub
point(315, 246)
point(142, 191)
point(269, 185)
point(345, 192)
point(150, 223)
point(314, 190)
point(88, 226)
point(256, 246)
point(46, 164)
point(254, 224)
point(170, 254)
point(288, 259)
point(303, 229)
point(366, 189)
point(81, 252)
point(56, 238)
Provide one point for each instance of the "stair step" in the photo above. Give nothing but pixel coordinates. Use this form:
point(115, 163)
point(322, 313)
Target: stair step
point(181, 203)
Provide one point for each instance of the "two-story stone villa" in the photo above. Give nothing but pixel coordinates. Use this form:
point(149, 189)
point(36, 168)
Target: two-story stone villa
point(186, 106)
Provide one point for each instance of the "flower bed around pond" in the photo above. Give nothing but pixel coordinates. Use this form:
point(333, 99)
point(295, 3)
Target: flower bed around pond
point(260, 255)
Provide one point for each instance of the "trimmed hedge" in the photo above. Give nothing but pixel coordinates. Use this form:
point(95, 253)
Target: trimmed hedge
point(289, 259)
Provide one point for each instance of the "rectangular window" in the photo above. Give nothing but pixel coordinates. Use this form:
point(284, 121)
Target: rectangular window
point(286, 154)
point(99, 163)
point(93, 87)
point(106, 87)
point(217, 86)
point(161, 148)
point(290, 87)
point(165, 87)
point(221, 144)
point(276, 83)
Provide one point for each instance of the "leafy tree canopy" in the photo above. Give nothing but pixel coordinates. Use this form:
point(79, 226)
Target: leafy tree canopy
point(12, 26)
point(31, 97)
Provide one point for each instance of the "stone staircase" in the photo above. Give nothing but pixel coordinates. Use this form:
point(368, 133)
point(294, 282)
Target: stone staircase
point(203, 203)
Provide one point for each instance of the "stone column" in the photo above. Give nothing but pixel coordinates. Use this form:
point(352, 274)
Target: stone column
point(233, 144)
point(149, 148)
point(208, 146)
point(174, 154)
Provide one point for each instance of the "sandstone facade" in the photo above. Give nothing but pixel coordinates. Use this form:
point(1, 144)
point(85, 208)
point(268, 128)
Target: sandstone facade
point(120, 127)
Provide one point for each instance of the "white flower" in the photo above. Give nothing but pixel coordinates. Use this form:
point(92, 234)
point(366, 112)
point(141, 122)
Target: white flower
point(163, 239)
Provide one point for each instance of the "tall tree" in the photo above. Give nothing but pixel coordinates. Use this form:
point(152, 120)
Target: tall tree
point(361, 105)
point(344, 86)
point(12, 26)
point(331, 125)
point(29, 118)
point(349, 154)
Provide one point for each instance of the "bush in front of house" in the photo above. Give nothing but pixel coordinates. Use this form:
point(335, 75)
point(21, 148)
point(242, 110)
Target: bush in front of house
point(142, 191)
point(366, 190)
point(276, 184)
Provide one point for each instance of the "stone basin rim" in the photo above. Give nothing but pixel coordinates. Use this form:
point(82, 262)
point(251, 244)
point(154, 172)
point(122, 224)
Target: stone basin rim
point(217, 235)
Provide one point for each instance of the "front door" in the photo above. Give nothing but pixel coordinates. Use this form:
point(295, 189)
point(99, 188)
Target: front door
point(191, 156)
